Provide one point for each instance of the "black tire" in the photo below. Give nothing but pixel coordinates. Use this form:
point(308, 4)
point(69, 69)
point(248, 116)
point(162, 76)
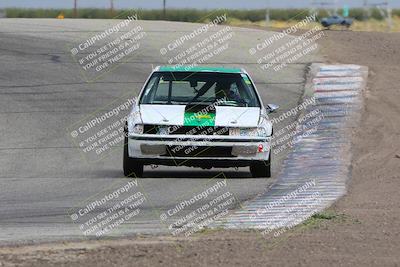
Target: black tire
point(261, 169)
point(131, 167)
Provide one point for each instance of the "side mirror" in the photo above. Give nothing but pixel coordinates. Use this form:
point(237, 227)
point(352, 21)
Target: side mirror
point(271, 108)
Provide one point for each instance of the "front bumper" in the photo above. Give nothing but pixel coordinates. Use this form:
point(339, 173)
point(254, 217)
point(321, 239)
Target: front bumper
point(210, 151)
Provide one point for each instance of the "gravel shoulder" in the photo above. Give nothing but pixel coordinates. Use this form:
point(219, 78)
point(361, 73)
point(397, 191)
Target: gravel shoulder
point(364, 230)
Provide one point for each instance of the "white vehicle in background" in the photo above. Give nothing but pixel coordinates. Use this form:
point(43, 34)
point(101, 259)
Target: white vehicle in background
point(201, 117)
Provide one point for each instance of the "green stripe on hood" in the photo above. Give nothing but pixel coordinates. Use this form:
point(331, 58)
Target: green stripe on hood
point(199, 119)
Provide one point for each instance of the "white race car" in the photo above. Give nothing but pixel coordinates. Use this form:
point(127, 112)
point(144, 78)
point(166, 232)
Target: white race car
point(201, 117)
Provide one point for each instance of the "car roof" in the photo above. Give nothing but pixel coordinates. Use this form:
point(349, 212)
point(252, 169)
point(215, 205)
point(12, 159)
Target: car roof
point(199, 69)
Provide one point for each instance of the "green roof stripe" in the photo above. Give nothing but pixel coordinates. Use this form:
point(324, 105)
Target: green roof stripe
point(200, 69)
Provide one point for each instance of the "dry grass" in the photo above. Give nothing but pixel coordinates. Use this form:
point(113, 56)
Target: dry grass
point(371, 25)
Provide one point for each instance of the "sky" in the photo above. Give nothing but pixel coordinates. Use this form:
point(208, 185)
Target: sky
point(201, 4)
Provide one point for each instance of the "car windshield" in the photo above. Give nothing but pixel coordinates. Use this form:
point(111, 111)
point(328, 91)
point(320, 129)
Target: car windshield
point(184, 88)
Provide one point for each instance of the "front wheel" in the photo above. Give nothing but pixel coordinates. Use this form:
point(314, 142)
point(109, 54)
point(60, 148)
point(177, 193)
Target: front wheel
point(261, 168)
point(131, 167)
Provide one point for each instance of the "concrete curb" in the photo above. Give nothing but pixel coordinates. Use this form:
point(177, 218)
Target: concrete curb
point(316, 171)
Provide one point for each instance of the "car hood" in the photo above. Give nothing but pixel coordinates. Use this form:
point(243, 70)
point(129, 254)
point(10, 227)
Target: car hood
point(223, 116)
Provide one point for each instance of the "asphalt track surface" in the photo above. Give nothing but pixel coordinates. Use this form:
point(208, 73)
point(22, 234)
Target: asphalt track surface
point(43, 91)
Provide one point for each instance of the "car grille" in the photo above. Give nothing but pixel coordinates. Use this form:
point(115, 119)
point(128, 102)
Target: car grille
point(188, 130)
point(200, 151)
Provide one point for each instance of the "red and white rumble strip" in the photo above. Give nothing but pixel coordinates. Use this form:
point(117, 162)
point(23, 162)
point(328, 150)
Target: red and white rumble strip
point(316, 171)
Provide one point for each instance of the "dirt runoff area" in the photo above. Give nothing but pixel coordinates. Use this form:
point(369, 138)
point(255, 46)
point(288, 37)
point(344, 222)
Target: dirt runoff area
point(361, 229)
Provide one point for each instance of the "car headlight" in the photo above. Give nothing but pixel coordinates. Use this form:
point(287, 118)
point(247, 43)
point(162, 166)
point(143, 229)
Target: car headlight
point(137, 129)
point(134, 122)
point(258, 132)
